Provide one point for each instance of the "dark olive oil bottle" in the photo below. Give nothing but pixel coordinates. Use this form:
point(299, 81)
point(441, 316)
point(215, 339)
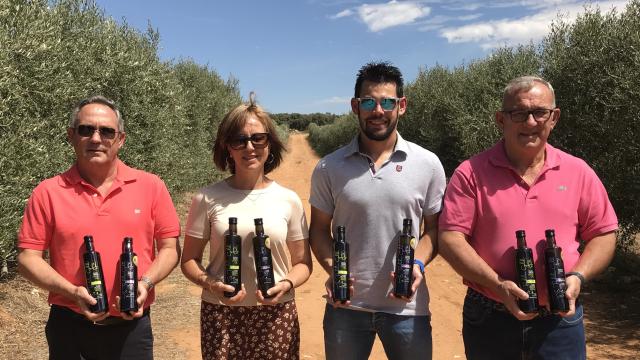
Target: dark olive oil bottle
point(404, 260)
point(128, 277)
point(232, 258)
point(554, 268)
point(341, 279)
point(95, 276)
point(263, 260)
point(526, 274)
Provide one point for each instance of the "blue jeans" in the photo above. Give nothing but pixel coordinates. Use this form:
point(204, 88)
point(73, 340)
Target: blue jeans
point(491, 332)
point(349, 334)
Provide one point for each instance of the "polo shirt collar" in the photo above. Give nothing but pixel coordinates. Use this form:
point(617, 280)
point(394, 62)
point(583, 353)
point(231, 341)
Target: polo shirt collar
point(124, 174)
point(498, 156)
point(353, 147)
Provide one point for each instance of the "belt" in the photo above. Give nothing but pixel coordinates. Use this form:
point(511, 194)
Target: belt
point(108, 321)
point(498, 306)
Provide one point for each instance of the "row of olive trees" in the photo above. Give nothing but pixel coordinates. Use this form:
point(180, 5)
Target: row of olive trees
point(55, 53)
point(327, 138)
point(594, 66)
point(301, 122)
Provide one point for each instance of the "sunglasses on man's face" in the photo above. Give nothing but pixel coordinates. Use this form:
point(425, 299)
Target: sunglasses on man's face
point(88, 131)
point(369, 104)
point(258, 140)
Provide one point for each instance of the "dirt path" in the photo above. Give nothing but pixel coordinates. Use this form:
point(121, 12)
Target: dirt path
point(612, 314)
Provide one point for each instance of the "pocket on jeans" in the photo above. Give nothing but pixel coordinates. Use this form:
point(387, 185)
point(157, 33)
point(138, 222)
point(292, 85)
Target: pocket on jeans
point(474, 312)
point(573, 320)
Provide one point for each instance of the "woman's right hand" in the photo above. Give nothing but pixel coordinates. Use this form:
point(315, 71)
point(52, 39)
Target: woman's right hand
point(218, 287)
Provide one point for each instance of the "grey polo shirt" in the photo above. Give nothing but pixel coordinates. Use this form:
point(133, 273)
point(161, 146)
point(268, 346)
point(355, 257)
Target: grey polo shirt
point(371, 205)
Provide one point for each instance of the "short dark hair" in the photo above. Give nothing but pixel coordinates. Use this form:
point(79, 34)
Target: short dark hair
point(379, 72)
point(96, 99)
point(231, 126)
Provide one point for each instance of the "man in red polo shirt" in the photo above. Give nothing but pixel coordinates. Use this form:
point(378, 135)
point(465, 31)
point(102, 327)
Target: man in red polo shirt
point(524, 183)
point(99, 196)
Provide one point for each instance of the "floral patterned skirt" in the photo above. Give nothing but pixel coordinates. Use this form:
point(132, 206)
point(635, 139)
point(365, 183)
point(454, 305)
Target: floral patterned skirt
point(249, 332)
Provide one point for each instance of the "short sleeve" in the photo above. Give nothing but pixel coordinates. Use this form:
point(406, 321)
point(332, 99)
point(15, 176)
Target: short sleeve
point(435, 191)
point(459, 209)
point(198, 223)
point(36, 229)
point(321, 195)
point(166, 220)
point(297, 227)
point(596, 215)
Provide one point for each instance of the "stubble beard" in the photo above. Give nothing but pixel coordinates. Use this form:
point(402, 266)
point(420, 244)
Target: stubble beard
point(371, 135)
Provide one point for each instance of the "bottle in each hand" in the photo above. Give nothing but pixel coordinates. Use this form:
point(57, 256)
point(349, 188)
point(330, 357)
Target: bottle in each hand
point(556, 282)
point(95, 276)
point(404, 260)
point(128, 277)
point(232, 258)
point(263, 260)
point(526, 274)
point(340, 288)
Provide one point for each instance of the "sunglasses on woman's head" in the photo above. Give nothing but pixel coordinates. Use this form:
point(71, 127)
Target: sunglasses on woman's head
point(258, 140)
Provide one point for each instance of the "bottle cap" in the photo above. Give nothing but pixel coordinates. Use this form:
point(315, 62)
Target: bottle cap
point(550, 233)
point(88, 242)
point(233, 220)
point(406, 222)
point(257, 221)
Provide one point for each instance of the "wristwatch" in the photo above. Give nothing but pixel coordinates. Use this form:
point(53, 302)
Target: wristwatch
point(578, 275)
point(146, 280)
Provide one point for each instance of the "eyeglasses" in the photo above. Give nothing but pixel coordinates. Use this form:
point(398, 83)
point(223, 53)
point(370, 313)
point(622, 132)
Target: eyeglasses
point(258, 140)
point(387, 104)
point(88, 131)
point(518, 116)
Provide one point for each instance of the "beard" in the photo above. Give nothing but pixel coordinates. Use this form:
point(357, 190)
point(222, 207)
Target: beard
point(378, 135)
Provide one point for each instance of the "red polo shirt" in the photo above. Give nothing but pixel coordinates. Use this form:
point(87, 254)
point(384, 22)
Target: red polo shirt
point(65, 208)
point(488, 201)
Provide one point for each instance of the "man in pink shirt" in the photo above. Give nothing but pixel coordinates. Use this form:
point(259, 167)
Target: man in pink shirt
point(523, 183)
point(99, 196)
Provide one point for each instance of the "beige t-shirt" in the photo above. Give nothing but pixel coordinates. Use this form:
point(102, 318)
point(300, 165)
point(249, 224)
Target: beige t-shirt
point(283, 218)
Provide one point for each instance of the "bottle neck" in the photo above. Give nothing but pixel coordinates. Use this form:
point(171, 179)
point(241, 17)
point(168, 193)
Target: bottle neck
point(259, 229)
point(522, 242)
point(406, 230)
point(233, 229)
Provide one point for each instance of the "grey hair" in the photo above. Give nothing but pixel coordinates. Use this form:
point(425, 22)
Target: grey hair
point(96, 99)
point(526, 83)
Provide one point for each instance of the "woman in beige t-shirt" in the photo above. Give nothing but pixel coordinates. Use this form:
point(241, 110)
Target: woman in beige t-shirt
point(247, 325)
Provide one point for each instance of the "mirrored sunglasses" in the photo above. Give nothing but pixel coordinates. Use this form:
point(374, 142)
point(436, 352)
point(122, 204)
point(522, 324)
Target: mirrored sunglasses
point(88, 131)
point(387, 104)
point(258, 140)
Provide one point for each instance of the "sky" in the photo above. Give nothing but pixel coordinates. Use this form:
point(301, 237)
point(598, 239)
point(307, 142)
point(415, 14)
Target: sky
point(303, 55)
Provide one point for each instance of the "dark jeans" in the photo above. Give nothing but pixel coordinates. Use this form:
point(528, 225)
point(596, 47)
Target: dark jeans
point(349, 334)
point(490, 332)
point(72, 337)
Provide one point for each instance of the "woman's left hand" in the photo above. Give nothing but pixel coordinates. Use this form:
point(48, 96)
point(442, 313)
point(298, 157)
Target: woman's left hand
point(279, 290)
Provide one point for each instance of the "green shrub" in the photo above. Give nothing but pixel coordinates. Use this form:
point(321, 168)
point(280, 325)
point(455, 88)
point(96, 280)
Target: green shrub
point(328, 138)
point(55, 53)
point(594, 65)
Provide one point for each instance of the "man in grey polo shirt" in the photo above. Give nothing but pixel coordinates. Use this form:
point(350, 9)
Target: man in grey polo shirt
point(369, 186)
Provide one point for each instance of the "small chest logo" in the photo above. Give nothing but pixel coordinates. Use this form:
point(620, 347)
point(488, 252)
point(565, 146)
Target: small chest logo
point(562, 188)
point(398, 168)
point(137, 211)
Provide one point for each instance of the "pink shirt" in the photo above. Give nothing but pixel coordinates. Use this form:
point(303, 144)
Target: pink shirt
point(62, 209)
point(488, 201)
